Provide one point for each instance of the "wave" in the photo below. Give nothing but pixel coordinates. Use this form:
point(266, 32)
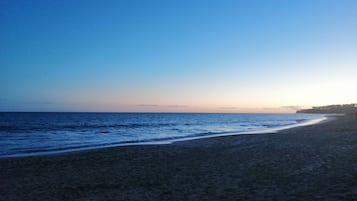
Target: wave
point(82, 126)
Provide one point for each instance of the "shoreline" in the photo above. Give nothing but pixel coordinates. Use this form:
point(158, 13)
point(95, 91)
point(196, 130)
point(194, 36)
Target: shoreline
point(325, 118)
point(316, 162)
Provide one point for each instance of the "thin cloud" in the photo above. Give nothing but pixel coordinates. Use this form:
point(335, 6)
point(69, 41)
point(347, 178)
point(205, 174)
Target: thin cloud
point(228, 108)
point(154, 105)
point(177, 106)
point(270, 108)
point(43, 102)
point(7, 101)
point(147, 105)
point(291, 107)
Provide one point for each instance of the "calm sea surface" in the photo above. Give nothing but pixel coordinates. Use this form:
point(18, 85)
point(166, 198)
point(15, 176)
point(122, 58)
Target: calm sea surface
point(23, 134)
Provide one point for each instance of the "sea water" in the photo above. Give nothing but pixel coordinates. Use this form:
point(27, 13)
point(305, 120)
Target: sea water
point(25, 134)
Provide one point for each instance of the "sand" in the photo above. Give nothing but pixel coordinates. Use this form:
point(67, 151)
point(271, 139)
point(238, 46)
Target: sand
point(317, 162)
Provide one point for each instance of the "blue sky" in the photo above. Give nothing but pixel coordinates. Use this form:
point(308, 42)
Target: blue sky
point(230, 56)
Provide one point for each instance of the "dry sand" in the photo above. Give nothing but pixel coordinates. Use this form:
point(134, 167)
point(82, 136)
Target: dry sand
point(317, 162)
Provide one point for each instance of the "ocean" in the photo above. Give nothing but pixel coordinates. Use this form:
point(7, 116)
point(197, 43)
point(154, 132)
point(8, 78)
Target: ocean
point(27, 134)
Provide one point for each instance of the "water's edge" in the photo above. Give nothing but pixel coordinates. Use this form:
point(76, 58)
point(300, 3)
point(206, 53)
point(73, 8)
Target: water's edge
point(171, 141)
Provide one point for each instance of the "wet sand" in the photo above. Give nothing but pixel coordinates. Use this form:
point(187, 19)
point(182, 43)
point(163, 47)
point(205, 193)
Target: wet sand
point(317, 162)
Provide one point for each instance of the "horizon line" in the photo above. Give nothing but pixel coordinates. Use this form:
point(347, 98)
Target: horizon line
point(183, 112)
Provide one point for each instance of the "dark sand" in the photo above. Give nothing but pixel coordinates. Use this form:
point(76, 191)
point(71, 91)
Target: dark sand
point(316, 162)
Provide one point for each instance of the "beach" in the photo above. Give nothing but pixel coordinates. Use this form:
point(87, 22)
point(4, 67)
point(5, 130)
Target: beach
point(316, 162)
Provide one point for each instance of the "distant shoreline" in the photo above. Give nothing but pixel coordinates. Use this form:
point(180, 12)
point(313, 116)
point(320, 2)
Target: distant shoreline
point(331, 109)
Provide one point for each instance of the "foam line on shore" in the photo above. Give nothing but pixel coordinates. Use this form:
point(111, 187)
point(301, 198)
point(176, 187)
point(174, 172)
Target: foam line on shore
point(262, 131)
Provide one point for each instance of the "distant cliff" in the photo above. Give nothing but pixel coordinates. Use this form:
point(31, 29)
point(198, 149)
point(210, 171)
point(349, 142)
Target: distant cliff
point(331, 109)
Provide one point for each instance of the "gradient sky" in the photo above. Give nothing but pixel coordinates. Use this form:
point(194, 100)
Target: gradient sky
point(199, 56)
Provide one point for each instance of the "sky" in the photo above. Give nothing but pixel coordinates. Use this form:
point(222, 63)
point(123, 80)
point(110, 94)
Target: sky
point(177, 56)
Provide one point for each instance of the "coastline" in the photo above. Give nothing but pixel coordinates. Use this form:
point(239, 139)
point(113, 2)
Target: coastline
point(315, 162)
point(322, 119)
